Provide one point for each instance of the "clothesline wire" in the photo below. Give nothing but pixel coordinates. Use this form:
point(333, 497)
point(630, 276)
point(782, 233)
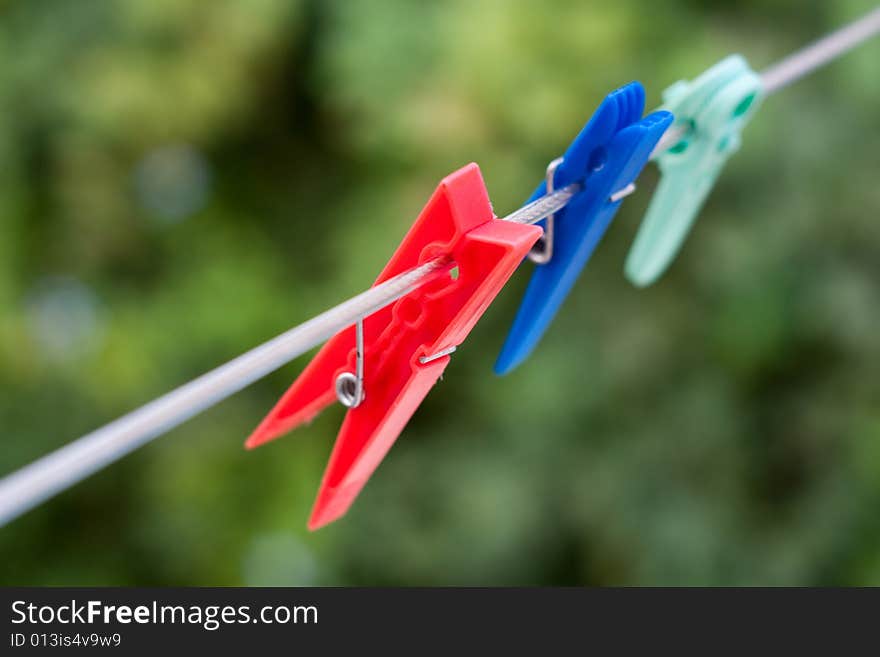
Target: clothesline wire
point(798, 64)
point(820, 52)
point(57, 471)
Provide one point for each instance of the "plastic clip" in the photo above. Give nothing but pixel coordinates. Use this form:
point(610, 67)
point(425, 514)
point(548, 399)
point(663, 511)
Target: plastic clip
point(407, 344)
point(712, 110)
point(605, 158)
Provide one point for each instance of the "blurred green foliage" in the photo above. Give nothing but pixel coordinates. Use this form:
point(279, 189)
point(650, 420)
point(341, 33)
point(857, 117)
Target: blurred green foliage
point(183, 180)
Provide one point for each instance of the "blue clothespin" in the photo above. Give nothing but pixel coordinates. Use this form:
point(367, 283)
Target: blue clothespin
point(605, 158)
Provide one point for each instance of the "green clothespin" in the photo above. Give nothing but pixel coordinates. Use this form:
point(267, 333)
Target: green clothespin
point(711, 111)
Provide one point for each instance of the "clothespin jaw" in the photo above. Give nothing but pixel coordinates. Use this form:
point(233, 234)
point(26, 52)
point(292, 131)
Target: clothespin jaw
point(605, 158)
point(713, 109)
point(406, 344)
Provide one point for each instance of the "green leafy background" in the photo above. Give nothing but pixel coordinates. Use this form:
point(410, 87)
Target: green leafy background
point(182, 180)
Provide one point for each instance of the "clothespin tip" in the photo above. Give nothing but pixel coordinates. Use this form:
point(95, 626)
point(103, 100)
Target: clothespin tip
point(329, 507)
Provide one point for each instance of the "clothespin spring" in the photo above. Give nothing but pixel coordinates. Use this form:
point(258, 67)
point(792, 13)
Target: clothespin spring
point(542, 252)
point(350, 387)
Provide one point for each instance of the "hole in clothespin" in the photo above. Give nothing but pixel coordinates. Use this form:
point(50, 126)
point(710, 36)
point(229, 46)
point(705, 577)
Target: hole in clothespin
point(409, 310)
point(744, 105)
point(682, 145)
point(453, 273)
point(598, 158)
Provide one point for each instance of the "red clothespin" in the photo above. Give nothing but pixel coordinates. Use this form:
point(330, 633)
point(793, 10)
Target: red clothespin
point(406, 345)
